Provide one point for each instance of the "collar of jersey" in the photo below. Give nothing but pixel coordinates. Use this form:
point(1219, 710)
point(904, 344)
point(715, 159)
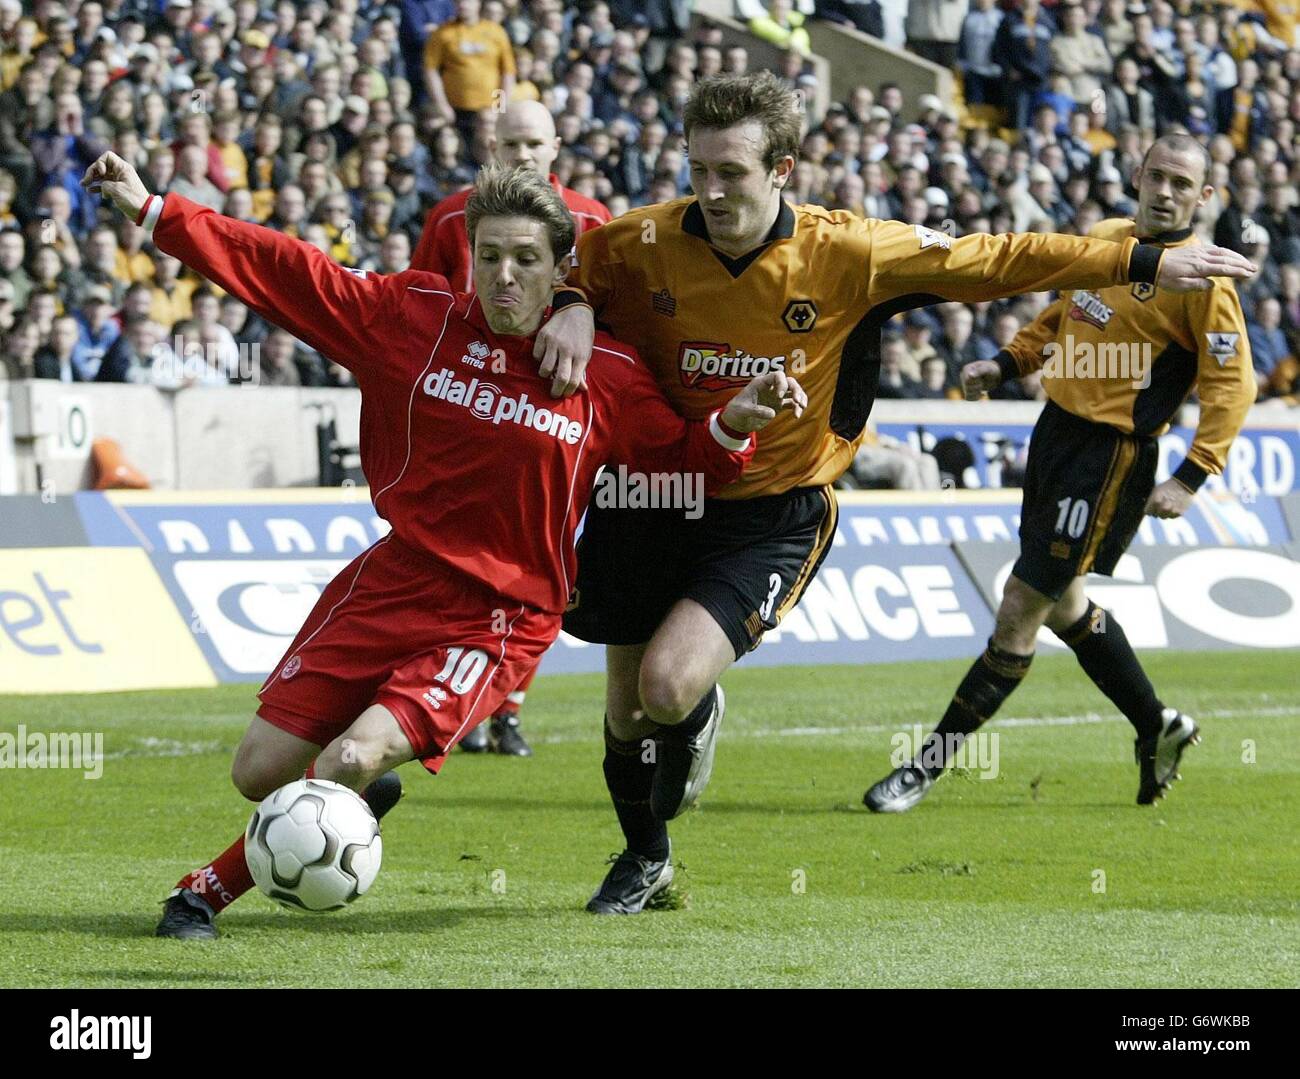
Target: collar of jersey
point(1174, 236)
point(782, 229)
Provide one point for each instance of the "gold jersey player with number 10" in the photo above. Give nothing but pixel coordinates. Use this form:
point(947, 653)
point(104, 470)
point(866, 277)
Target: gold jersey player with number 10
point(710, 289)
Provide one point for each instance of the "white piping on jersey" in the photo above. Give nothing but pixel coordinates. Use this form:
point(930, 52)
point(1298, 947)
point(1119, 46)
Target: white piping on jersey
point(624, 355)
point(410, 404)
point(469, 280)
point(324, 622)
point(573, 482)
point(488, 681)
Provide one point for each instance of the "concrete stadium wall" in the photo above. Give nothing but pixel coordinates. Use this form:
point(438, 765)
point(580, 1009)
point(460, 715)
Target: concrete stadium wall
point(196, 439)
point(239, 438)
point(843, 58)
point(763, 55)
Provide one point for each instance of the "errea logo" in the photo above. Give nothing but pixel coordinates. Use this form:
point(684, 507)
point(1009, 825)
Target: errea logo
point(476, 355)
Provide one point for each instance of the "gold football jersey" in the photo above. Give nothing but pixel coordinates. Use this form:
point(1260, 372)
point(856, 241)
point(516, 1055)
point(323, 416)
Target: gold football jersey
point(811, 299)
point(1128, 356)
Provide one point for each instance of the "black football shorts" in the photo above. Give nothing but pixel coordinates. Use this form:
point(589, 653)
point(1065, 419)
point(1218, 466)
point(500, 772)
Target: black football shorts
point(745, 561)
point(1086, 487)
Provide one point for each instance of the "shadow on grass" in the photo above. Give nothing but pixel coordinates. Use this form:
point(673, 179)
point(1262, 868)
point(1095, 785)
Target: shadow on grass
point(160, 977)
point(345, 923)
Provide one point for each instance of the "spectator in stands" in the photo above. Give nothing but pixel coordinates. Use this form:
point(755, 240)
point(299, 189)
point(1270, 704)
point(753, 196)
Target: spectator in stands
point(192, 178)
point(1156, 69)
point(933, 29)
point(782, 26)
point(1116, 29)
point(1237, 224)
point(170, 292)
point(1278, 215)
point(957, 345)
point(13, 250)
point(864, 15)
point(1110, 193)
point(96, 332)
point(469, 66)
point(21, 346)
point(54, 361)
point(25, 109)
point(933, 383)
point(1275, 364)
point(1079, 54)
point(130, 359)
point(1022, 48)
point(894, 383)
point(884, 462)
point(277, 366)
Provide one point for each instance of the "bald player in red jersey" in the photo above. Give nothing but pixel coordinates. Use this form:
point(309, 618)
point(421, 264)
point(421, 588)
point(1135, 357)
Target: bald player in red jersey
point(419, 638)
point(525, 139)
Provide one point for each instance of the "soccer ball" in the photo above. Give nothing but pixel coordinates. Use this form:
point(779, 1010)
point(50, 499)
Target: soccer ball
point(313, 845)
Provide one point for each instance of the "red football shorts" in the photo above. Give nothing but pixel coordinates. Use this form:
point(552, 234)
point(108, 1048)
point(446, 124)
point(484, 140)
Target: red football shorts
point(395, 627)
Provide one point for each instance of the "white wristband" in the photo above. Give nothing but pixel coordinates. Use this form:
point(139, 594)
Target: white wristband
point(724, 439)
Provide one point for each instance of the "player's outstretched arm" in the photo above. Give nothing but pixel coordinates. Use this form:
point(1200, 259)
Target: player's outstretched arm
point(908, 259)
point(288, 282)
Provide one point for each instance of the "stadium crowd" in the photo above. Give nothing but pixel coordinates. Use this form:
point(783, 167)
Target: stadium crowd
point(344, 121)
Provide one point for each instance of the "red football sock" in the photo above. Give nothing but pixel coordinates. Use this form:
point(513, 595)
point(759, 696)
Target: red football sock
point(222, 882)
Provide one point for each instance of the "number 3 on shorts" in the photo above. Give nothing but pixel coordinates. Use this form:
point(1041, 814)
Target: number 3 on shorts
point(774, 586)
point(1073, 518)
point(462, 669)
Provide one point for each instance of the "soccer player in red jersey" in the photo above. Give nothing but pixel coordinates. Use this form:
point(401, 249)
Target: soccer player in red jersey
point(420, 638)
point(525, 139)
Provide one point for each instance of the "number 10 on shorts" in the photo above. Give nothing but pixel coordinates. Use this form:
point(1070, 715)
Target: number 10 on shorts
point(462, 669)
point(1073, 517)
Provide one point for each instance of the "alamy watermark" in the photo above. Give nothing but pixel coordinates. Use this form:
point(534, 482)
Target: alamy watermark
point(190, 361)
point(619, 488)
point(978, 752)
point(1108, 359)
point(82, 751)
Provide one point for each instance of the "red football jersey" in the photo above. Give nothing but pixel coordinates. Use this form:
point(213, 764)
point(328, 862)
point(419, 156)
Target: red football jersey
point(467, 455)
point(444, 243)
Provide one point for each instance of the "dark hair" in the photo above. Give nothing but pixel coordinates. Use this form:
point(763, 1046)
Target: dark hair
point(1180, 142)
point(501, 191)
point(724, 101)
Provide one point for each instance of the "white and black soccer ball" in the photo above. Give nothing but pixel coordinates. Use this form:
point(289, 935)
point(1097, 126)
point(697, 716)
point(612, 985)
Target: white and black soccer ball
point(313, 845)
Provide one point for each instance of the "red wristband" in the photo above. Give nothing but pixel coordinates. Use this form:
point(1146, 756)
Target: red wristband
point(144, 210)
point(731, 432)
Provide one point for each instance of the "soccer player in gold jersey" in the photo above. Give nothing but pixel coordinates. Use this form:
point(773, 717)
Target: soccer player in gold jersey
point(711, 289)
point(1117, 363)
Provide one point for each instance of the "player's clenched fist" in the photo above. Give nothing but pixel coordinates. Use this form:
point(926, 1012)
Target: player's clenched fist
point(758, 404)
point(1168, 499)
point(118, 182)
point(979, 377)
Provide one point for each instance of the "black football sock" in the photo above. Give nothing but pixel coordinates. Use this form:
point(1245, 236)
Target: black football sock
point(629, 773)
point(696, 720)
point(1101, 646)
point(987, 684)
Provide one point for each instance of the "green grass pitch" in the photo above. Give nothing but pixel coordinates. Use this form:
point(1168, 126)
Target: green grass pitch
point(786, 879)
